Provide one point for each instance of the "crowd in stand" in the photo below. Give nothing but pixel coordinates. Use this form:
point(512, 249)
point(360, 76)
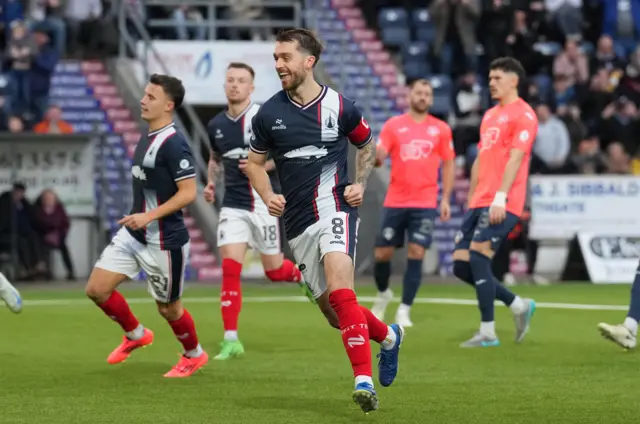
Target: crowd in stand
point(586, 94)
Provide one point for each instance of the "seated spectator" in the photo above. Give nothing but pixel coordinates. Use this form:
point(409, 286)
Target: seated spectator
point(52, 223)
point(605, 56)
point(42, 69)
point(48, 16)
point(53, 123)
point(571, 64)
point(596, 98)
point(21, 50)
point(618, 160)
point(563, 91)
point(83, 24)
point(571, 116)
point(620, 123)
point(630, 83)
point(16, 223)
point(567, 15)
point(186, 14)
point(589, 159)
point(552, 146)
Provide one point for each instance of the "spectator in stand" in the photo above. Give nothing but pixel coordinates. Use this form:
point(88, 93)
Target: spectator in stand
point(44, 64)
point(552, 146)
point(520, 43)
point(635, 163)
point(48, 16)
point(497, 16)
point(571, 64)
point(10, 11)
point(15, 124)
point(53, 123)
point(52, 223)
point(618, 159)
point(605, 56)
point(83, 23)
point(589, 159)
point(567, 15)
point(571, 116)
point(630, 83)
point(465, 15)
point(620, 123)
point(21, 50)
point(468, 108)
point(621, 19)
point(245, 12)
point(597, 98)
point(182, 15)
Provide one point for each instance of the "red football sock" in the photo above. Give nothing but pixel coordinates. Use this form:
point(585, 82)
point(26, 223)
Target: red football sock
point(287, 272)
point(353, 326)
point(377, 329)
point(231, 294)
point(117, 308)
point(185, 330)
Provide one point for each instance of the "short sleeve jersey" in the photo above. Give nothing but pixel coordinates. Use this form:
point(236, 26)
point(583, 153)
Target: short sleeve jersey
point(504, 128)
point(309, 144)
point(416, 150)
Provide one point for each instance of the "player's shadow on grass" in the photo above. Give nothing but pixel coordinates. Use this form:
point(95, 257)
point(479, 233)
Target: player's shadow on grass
point(324, 407)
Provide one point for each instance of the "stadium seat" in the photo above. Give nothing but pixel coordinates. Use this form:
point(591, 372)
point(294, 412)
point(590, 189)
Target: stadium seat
point(442, 87)
point(421, 19)
point(415, 69)
point(415, 51)
point(548, 48)
point(620, 50)
point(587, 48)
point(543, 82)
point(393, 17)
point(395, 37)
point(628, 44)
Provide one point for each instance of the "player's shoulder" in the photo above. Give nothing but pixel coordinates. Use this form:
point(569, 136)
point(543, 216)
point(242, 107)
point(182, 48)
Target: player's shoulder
point(525, 112)
point(274, 102)
point(174, 136)
point(440, 123)
point(217, 120)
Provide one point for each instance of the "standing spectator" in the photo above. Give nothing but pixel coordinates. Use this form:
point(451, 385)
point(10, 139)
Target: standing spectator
point(552, 146)
point(465, 15)
point(44, 64)
point(567, 15)
point(244, 12)
point(618, 159)
point(520, 43)
point(52, 223)
point(83, 23)
point(182, 15)
point(497, 16)
point(21, 52)
point(467, 104)
point(48, 15)
point(53, 123)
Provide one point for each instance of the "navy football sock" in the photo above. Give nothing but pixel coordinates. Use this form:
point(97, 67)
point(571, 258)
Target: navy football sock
point(412, 280)
point(382, 273)
point(634, 306)
point(462, 270)
point(485, 284)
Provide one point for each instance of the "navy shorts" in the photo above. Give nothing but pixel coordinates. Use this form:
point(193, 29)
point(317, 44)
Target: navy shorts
point(476, 227)
point(416, 223)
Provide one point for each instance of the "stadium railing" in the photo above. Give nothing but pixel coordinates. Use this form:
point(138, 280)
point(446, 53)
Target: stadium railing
point(213, 19)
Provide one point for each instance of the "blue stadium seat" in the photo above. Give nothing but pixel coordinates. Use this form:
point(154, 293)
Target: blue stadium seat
point(414, 69)
point(442, 87)
point(544, 83)
point(415, 50)
point(628, 44)
point(425, 31)
point(587, 48)
point(393, 17)
point(393, 36)
point(620, 50)
point(548, 48)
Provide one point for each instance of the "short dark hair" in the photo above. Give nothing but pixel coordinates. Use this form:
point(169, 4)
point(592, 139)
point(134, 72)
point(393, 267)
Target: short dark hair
point(172, 87)
point(241, 65)
point(508, 64)
point(420, 81)
point(306, 39)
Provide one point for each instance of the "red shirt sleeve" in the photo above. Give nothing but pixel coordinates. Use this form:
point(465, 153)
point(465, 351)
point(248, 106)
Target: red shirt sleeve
point(445, 146)
point(524, 132)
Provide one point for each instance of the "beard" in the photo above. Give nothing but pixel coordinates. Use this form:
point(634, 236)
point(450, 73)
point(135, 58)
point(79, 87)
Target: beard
point(297, 78)
point(420, 107)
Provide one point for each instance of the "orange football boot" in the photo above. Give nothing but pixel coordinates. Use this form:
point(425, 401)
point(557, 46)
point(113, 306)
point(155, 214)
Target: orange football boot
point(122, 352)
point(187, 366)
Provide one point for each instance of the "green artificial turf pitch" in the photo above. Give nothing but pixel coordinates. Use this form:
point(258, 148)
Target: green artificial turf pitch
point(53, 363)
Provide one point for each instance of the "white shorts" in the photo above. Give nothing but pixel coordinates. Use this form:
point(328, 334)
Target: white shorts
point(336, 233)
point(164, 268)
point(259, 229)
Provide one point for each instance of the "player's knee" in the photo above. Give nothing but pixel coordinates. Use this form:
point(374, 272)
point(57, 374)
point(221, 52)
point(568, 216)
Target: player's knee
point(327, 310)
point(462, 270)
point(415, 251)
point(383, 254)
point(461, 255)
point(97, 292)
point(171, 311)
point(483, 248)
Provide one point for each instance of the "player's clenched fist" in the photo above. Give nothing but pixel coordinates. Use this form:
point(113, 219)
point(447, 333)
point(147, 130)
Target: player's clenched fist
point(354, 194)
point(276, 203)
point(210, 193)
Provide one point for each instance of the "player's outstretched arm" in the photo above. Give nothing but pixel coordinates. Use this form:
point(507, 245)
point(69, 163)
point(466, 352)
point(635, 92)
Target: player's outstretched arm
point(257, 173)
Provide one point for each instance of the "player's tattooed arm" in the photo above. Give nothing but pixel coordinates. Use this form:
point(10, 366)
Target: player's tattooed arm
point(365, 162)
point(215, 166)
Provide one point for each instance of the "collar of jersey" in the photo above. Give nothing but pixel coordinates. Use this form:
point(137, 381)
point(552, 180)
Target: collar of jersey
point(156, 132)
point(237, 118)
point(312, 102)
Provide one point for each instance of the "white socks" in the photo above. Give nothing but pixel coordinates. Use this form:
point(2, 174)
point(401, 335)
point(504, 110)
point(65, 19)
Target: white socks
point(231, 335)
point(518, 306)
point(364, 379)
point(194, 353)
point(488, 329)
point(136, 334)
point(390, 341)
point(404, 309)
point(631, 325)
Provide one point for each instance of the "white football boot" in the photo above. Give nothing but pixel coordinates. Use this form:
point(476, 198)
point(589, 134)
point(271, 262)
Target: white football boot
point(10, 295)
